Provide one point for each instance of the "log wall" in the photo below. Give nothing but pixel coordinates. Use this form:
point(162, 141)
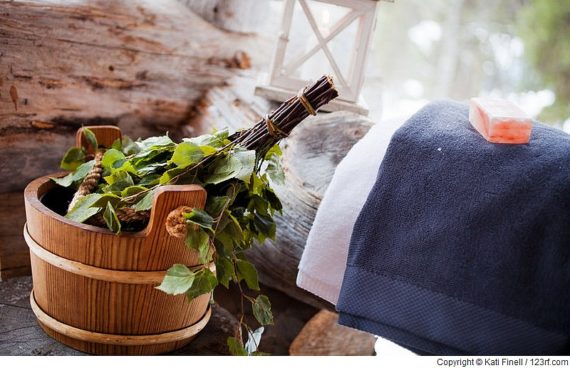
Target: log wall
point(142, 65)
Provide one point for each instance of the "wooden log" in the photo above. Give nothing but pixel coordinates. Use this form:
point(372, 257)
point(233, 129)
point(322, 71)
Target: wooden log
point(141, 65)
point(14, 255)
point(322, 336)
point(245, 16)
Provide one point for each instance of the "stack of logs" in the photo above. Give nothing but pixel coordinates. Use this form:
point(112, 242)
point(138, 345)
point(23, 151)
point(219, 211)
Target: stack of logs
point(141, 65)
point(147, 67)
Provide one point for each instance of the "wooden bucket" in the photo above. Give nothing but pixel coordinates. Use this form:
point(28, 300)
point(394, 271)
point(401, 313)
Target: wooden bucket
point(95, 291)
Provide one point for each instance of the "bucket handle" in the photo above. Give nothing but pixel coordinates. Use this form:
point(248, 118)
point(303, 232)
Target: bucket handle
point(105, 134)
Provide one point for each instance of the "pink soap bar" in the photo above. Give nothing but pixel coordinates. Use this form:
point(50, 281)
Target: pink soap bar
point(500, 121)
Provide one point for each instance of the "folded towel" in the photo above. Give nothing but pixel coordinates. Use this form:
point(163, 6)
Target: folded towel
point(463, 246)
point(324, 257)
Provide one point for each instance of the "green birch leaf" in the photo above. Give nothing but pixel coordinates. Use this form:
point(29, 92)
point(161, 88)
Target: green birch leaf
point(178, 280)
point(107, 198)
point(118, 176)
point(153, 142)
point(259, 204)
point(186, 154)
point(117, 144)
point(132, 190)
point(208, 150)
point(83, 170)
point(111, 157)
point(72, 159)
point(150, 180)
point(151, 168)
point(76, 176)
point(150, 156)
point(236, 347)
point(197, 239)
point(256, 185)
point(66, 181)
point(246, 271)
point(145, 203)
point(119, 180)
point(262, 310)
point(169, 175)
point(224, 169)
point(215, 204)
point(127, 166)
point(111, 219)
point(275, 172)
point(247, 161)
point(200, 218)
point(274, 169)
point(204, 254)
point(128, 146)
point(91, 138)
point(204, 283)
point(272, 198)
point(264, 225)
point(229, 234)
point(274, 151)
point(224, 243)
point(83, 209)
point(225, 271)
point(217, 139)
point(238, 164)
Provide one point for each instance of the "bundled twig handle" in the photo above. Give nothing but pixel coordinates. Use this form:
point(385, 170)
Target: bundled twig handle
point(280, 122)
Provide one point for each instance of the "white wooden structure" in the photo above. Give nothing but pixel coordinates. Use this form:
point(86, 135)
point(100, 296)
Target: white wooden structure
point(356, 20)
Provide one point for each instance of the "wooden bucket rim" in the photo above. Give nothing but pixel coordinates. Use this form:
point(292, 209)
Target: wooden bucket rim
point(98, 273)
point(32, 197)
point(113, 339)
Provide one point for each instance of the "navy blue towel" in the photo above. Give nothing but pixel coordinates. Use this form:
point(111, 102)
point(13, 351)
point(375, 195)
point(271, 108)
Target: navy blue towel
point(463, 246)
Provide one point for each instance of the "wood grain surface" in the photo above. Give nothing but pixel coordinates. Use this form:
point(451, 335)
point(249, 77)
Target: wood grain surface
point(109, 305)
point(323, 336)
point(20, 333)
point(141, 65)
point(14, 255)
point(106, 135)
